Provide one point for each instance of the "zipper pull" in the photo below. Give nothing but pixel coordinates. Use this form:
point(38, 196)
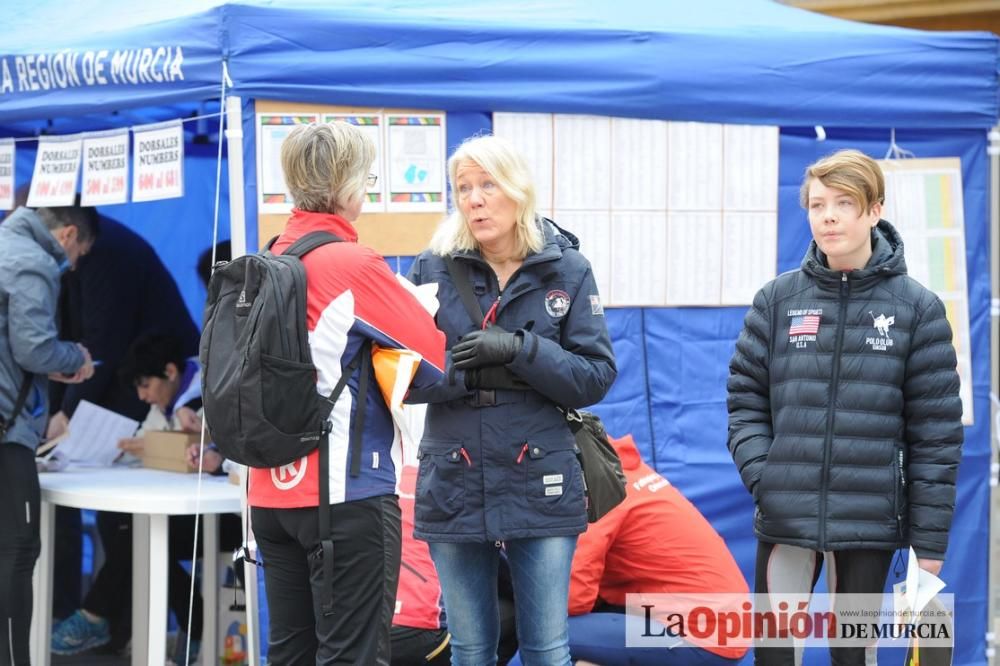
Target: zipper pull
point(524, 449)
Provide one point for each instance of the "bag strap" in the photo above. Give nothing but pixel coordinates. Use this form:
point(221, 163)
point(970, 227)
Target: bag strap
point(459, 273)
point(573, 418)
point(22, 398)
point(362, 358)
point(307, 243)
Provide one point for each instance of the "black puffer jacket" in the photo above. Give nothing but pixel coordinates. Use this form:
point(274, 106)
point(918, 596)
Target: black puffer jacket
point(844, 413)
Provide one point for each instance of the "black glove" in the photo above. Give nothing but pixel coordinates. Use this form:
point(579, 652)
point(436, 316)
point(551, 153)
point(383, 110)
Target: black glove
point(493, 346)
point(493, 377)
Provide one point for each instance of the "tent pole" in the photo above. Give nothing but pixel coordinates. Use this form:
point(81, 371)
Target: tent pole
point(993, 191)
point(238, 240)
point(234, 144)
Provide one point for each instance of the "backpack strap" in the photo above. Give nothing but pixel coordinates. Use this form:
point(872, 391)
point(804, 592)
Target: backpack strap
point(22, 398)
point(459, 273)
point(362, 358)
point(307, 243)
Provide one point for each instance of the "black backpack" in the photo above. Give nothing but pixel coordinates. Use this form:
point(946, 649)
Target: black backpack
point(258, 380)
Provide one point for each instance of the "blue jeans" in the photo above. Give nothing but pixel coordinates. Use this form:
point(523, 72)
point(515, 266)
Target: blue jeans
point(540, 575)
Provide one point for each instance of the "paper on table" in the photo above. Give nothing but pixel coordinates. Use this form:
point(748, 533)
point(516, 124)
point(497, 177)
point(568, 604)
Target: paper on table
point(94, 433)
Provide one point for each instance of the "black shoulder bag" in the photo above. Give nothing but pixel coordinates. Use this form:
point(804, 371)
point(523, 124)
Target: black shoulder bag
point(22, 397)
point(603, 478)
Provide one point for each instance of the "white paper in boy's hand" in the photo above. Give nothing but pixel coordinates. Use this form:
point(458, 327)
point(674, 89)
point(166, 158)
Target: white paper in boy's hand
point(919, 587)
point(94, 433)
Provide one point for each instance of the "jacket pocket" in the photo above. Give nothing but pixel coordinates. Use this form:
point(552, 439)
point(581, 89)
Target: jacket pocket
point(553, 479)
point(440, 480)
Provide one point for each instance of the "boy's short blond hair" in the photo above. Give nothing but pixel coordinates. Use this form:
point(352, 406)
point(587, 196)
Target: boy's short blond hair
point(326, 165)
point(851, 171)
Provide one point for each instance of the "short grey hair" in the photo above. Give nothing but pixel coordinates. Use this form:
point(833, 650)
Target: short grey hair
point(84, 219)
point(505, 164)
point(326, 165)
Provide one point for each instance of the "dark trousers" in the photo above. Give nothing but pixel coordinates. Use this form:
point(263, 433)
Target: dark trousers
point(20, 543)
point(420, 647)
point(366, 538)
point(67, 553)
point(110, 596)
point(782, 568)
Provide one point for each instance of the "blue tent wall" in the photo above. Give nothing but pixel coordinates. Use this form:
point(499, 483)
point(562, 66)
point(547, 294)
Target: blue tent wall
point(565, 56)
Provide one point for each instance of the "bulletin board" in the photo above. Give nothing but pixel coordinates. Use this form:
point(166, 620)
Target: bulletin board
point(409, 199)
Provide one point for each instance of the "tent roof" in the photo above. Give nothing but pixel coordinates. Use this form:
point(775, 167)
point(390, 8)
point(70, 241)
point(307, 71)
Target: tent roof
point(736, 61)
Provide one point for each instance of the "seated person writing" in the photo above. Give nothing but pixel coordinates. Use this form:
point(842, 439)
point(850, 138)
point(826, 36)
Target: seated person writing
point(170, 384)
point(654, 542)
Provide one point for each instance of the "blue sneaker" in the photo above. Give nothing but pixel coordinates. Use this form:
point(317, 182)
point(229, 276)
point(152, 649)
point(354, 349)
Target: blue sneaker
point(77, 634)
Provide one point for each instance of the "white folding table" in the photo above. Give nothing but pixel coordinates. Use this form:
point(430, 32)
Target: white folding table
point(150, 496)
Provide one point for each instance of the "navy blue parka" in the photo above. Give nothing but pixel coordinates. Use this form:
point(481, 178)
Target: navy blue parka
point(508, 470)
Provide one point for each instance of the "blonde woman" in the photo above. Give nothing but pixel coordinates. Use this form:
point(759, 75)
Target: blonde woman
point(497, 466)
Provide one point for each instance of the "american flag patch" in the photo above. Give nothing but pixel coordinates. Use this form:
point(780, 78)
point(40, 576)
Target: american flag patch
point(804, 325)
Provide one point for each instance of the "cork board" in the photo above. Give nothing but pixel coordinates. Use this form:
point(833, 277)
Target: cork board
point(390, 234)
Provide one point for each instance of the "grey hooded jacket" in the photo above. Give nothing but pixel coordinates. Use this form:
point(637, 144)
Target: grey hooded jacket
point(30, 260)
point(844, 409)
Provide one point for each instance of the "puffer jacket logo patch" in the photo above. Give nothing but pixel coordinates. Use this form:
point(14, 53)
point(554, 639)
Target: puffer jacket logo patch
point(882, 342)
point(803, 326)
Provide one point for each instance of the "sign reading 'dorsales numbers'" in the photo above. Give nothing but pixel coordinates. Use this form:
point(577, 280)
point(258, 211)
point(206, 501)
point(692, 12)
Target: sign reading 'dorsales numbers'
point(6, 174)
point(158, 162)
point(105, 169)
point(56, 167)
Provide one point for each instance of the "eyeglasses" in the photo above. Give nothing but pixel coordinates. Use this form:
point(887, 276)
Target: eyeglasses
point(372, 179)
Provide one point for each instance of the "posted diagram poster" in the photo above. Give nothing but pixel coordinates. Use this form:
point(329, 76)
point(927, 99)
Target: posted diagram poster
point(416, 162)
point(409, 165)
point(371, 124)
point(272, 128)
point(924, 202)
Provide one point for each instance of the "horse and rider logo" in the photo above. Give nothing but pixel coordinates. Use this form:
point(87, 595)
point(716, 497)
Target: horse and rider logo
point(882, 323)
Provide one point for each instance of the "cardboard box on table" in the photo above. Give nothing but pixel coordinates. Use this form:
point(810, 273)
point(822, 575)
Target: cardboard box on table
point(167, 450)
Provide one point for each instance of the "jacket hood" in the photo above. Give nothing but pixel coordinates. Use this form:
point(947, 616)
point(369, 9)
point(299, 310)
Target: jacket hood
point(25, 222)
point(887, 257)
point(564, 239)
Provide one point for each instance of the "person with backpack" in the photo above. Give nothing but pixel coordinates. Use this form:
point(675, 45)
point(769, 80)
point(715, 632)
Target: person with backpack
point(330, 588)
point(498, 466)
point(35, 247)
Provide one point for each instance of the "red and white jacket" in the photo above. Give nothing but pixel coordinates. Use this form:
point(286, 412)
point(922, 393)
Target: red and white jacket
point(352, 296)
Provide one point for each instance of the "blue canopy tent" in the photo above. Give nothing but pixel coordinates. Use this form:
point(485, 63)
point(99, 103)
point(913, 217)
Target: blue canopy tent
point(725, 61)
